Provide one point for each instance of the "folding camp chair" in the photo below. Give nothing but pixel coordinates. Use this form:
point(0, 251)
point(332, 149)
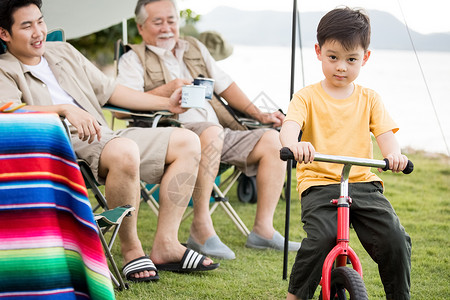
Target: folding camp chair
point(111, 220)
point(154, 119)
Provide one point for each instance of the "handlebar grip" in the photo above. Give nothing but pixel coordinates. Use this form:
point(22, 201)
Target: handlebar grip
point(286, 153)
point(409, 167)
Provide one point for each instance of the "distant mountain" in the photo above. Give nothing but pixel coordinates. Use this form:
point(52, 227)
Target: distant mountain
point(270, 28)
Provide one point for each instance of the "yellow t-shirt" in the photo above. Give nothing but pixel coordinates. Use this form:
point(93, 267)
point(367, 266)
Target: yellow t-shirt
point(338, 127)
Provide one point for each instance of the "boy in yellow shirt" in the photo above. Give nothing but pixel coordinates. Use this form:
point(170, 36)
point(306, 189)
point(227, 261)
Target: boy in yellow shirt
point(337, 117)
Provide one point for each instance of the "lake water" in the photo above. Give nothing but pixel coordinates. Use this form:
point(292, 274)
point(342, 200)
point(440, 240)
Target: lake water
point(263, 73)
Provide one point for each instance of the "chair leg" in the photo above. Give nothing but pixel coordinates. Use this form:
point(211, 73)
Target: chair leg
point(230, 211)
point(229, 182)
point(147, 197)
point(117, 279)
point(92, 185)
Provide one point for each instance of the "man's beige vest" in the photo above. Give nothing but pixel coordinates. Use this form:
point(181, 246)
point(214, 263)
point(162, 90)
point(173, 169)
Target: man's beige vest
point(156, 74)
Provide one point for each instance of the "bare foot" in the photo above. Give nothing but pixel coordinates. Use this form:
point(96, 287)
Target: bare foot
point(133, 254)
point(144, 274)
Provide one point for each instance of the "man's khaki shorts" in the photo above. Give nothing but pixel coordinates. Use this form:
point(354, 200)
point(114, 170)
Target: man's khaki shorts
point(152, 143)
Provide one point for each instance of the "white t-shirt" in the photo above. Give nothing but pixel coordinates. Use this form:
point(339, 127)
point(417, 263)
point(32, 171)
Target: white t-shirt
point(132, 75)
point(45, 74)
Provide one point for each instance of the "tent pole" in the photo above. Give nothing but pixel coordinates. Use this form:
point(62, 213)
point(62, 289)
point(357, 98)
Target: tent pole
point(293, 46)
point(287, 192)
point(124, 31)
point(300, 46)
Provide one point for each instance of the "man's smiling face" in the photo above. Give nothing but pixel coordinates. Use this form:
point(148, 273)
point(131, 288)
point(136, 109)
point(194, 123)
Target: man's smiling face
point(26, 41)
point(161, 27)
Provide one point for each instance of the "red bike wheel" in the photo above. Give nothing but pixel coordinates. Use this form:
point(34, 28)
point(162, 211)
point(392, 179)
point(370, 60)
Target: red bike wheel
point(346, 283)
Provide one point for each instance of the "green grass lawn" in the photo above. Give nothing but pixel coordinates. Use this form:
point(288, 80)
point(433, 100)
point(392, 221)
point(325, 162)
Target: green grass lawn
point(421, 200)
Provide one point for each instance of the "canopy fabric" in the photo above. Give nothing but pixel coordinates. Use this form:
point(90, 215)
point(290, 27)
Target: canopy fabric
point(82, 17)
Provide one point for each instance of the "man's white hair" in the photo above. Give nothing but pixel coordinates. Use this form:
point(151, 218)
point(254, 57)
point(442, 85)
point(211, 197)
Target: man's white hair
point(140, 12)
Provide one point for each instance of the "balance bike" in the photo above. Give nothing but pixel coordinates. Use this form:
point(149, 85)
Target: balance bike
point(337, 279)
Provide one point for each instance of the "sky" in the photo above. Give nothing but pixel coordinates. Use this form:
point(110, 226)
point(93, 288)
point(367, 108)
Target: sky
point(429, 16)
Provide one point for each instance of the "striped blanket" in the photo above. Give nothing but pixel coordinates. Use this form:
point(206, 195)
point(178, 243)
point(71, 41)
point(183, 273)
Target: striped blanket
point(49, 244)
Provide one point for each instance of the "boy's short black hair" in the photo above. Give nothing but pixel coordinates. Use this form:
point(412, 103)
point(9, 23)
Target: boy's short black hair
point(8, 7)
point(349, 27)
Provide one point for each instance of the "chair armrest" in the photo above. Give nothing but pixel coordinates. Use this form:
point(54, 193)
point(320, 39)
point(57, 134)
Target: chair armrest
point(149, 114)
point(253, 124)
point(144, 118)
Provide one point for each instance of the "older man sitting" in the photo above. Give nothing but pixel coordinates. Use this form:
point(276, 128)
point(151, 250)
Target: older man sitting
point(162, 64)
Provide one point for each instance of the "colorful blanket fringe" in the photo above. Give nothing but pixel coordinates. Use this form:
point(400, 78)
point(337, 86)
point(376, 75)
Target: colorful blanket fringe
point(49, 244)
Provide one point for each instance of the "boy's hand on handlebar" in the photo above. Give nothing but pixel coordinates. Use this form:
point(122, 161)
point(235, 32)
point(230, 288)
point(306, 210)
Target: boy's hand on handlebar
point(303, 152)
point(397, 162)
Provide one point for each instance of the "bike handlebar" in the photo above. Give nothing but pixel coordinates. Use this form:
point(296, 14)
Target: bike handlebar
point(286, 153)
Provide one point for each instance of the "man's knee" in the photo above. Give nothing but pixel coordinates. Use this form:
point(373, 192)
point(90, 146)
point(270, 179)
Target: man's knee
point(212, 134)
point(270, 141)
point(269, 148)
point(122, 155)
point(184, 141)
point(273, 136)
